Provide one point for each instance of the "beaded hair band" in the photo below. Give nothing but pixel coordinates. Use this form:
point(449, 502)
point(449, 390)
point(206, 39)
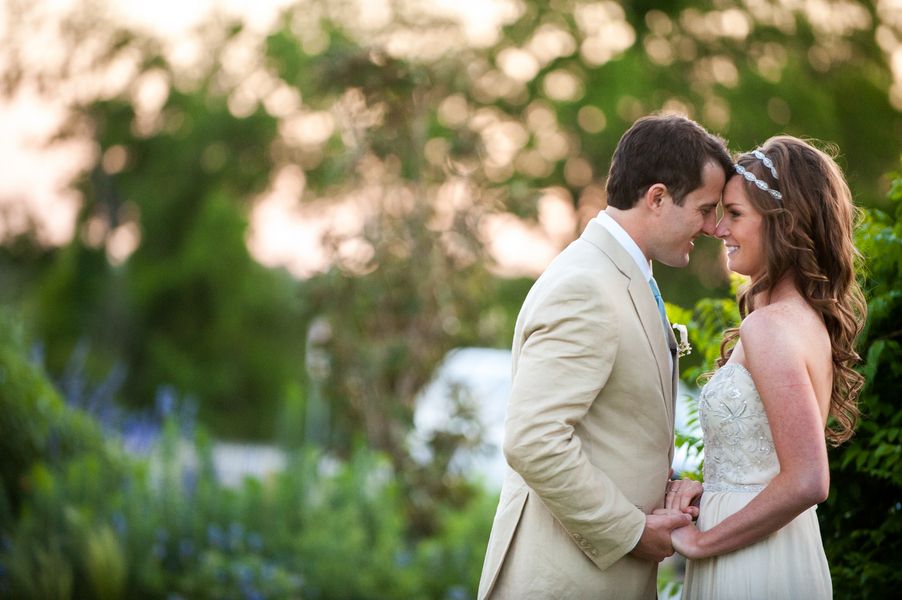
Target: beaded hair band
point(750, 177)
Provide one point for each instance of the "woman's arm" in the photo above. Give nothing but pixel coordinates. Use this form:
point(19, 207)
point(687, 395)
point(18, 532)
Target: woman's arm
point(776, 357)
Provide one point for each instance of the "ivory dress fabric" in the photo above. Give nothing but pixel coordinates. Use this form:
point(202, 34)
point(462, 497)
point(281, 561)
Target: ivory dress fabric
point(740, 460)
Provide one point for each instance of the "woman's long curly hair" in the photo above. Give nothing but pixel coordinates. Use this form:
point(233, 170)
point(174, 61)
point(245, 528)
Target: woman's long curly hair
point(808, 234)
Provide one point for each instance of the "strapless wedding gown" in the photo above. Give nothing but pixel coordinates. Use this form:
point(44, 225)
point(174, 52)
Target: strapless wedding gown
point(740, 460)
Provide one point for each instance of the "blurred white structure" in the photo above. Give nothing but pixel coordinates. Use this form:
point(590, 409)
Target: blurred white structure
point(234, 461)
point(467, 397)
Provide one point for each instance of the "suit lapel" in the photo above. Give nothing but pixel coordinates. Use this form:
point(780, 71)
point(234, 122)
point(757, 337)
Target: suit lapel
point(647, 309)
point(643, 301)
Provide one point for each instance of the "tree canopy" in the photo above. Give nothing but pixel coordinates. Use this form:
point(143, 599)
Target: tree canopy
point(414, 134)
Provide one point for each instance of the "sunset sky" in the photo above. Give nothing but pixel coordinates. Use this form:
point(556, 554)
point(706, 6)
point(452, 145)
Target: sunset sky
point(35, 178)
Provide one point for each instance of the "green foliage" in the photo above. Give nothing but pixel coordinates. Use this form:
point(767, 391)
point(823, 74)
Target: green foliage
point(190, 308)
point(705, 323)
point(422, 145)
point(451, 560)
point(390, 329)
point(861, 521)
point(37, 431)
point(320, 529)
point(105, 563)
point(53, 455)
point(93, 523)
point(41, 570)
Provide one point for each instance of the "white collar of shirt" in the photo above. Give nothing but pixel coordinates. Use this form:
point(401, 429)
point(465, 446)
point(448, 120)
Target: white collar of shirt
point(624, 239)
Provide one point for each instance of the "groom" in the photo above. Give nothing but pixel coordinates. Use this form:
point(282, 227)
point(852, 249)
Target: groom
point(589, 428)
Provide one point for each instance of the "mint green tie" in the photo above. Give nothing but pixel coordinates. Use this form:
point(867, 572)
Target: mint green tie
point(658, 300)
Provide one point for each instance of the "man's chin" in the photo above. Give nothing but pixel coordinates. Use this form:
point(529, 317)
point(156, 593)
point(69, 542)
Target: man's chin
point(677, 262)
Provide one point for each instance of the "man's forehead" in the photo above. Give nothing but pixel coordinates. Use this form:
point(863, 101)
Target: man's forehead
point(705, 198)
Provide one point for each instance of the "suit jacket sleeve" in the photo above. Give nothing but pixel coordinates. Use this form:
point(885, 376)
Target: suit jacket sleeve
point(569, 341)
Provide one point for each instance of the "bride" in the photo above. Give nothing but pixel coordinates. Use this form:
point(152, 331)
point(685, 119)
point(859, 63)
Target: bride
point(783, 373)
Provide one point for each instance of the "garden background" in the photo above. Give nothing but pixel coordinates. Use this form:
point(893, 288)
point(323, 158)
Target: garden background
point(271, 226)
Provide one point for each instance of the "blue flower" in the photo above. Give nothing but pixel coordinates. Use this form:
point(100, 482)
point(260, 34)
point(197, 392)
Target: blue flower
point(215, 536)
point(119, 523)
point(189, 480)
point(403, 558)
point(139, 433)
point(251, 593)
point(254, 542)
point(244, 573)
point(236, 535)
point(159, 551)
point(186, 548)
point(456, 592)
point(165, 401)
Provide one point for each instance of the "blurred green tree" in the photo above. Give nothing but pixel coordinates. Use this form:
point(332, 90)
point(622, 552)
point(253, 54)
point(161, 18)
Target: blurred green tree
point(862, 519)
point(189, 307)
point(418, 133)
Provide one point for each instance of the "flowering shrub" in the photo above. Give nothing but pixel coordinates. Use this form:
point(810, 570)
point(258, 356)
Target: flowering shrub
point(83, 518)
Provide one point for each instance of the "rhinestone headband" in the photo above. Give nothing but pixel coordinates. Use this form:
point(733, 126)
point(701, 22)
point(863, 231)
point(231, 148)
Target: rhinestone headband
point(750, 177)
point(767, 162)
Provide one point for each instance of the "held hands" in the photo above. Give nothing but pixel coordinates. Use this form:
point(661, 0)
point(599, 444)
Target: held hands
point(655, 544)
point(682, 498)
point(685, 538)
point(670, 528)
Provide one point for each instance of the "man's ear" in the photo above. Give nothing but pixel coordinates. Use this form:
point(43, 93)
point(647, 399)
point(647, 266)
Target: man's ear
point(654, 196)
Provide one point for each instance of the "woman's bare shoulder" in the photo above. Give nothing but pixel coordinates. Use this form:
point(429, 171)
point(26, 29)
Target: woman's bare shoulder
point(784, 334)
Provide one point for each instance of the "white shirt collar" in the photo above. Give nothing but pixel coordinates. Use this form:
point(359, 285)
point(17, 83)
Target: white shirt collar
point(624, 239)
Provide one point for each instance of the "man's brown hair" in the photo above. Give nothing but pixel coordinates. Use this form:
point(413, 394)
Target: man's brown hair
point(667, 149)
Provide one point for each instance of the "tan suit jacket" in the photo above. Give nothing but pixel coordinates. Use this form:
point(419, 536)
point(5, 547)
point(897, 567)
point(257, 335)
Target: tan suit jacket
point(588, 433)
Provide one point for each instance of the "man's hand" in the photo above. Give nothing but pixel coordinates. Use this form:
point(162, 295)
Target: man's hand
point(655, 545)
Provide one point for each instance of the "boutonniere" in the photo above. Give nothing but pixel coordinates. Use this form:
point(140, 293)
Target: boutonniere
point(683, 348)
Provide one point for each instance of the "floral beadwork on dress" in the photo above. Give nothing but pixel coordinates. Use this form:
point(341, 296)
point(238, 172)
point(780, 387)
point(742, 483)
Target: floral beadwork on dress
point(739, 447)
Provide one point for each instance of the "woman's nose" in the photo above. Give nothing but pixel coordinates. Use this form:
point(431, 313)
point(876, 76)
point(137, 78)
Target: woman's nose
point(721, 230)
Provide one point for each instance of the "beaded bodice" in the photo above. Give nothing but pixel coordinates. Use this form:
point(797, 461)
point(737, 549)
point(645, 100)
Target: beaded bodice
point(739, 448)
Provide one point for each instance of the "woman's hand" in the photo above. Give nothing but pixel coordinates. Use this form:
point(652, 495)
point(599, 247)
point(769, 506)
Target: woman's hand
point(683, 495)
point(686, 540)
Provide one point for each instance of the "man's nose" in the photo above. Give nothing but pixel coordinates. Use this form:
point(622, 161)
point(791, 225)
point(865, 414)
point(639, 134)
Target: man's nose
point(709, 227)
